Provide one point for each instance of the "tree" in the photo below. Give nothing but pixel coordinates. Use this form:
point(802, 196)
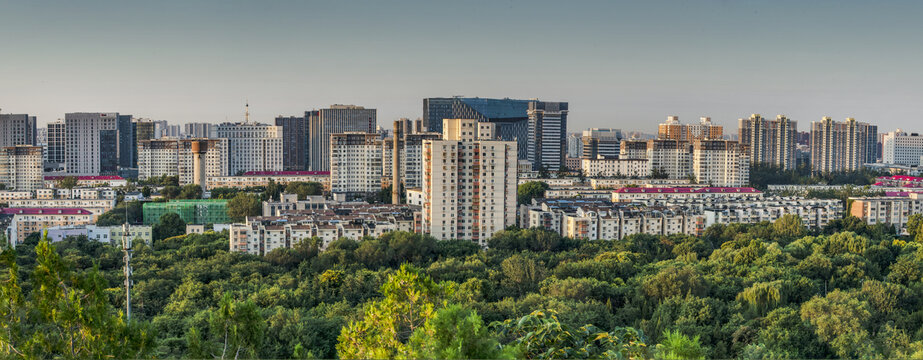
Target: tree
point(239, 324)
point(191, 191)
point(455, 333)
point(68, 182)
point(304, 189)
point(839, 319)
point(530, 190)
point(273, 189)
point(116, 216)
point(410, 298)
point(146, 191)
point(540, 335)
point(169, 225)
point(170, 191)
point(676, 346)
point(789, 226)
point(243, 205)
point(658, 173)
point(915, 227)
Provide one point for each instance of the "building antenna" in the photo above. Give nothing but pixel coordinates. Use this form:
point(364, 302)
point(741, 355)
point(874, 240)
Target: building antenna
point(247, 118)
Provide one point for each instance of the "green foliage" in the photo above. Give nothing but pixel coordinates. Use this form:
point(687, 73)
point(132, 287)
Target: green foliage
point(170, 192)
point(163, 180)
point(530, 190)
point(915, 227)
point(763, 175)
point(67, 182)
point(840, 319)
point(243, 205)
point(304, 189)
point(116, 216)
point(455, 333)
point(676, 346)
point(169, 225)
point(789, 226)
point(190, 191)
point(540, 335)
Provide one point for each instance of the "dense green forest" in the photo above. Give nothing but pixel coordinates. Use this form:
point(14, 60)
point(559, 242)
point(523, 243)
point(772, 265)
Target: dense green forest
point(768, 290)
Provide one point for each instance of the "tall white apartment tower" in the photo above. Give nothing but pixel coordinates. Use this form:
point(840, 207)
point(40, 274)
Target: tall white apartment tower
point(769, 141)
point(901, 148)
point(252, 146)
point(469, 182)
point(842, 146)
point(91, 143)
point(720, 163)
point(355, 162)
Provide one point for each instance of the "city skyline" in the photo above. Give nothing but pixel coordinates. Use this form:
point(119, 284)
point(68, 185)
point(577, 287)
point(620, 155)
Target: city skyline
point(618, 65)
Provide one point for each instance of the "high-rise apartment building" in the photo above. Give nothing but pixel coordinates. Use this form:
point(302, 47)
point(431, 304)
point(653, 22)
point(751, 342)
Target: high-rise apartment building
point(770, 141)
point(547, 128)
point(574, 146)
point(199, 130)
point(670, 158)
point(601, 143)
point(336, 119)
point(175, 157)
point(17, 129)
point(92, 143)
point(674, 130)
point(902, 148)
point(355, 162)
point(842, 146)
point(21, 167)
point(294, 142)
point(410, 157)
point(469, 182)
point(722, 163)
point(56, 144)
point(252, 146)
point(145, 129)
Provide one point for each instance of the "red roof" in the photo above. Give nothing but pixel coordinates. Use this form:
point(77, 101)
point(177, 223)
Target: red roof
point(45, 211)
point(285, 173)
point(902, 178)
point(687, 190)
point(88, 178)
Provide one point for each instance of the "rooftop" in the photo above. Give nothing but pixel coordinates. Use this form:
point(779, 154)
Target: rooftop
point(285, 173)
point(688, 190)
point(87, 178)
point(46, 211)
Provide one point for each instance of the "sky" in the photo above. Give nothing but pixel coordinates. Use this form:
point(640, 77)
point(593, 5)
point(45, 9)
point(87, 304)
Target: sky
point(621, 64)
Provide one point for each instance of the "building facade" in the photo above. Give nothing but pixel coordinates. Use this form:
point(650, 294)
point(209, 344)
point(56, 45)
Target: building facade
point(174, 157)
point(720, 163)
point(92, 145)
point(616, 167)
point(674, 130)
point(252, 146)
point(842, 146)
point(17, 129)
point(546, 146)
point(56, 143)
point(469, 182)
point(771, 142)
point(355, 162)
point(902, 148)
point(596, 143)
point(22, 222)
point(21, 167)
point(202, 211)
point(294, 142)
point(333, 120)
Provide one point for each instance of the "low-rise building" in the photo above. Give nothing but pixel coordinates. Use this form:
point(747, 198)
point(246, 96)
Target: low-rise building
point(21, 222)
point(262, 178)
point(605, 167)
point(645, 183)
point(894, 209)
point(96, 206)
point(201, 211)
point(594, 219)
point(628, 194)
point(102, 180)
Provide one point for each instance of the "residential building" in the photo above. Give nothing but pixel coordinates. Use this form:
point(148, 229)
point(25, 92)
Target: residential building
point(17, 129)
point(901, 148)
point(704, 130)
point(814, 213)
point(510, 116)
point(900, 181)
point(95, 204)
point(146, 129)
point(92, 143)
point(201, 211)
point(262, 178)
point(894, 210)
point(294, 142)
point(410, 157)
point(333, 120)
point(842, 146)
point(469, 182)
point(720, 163)
point(21, 167)
point(355, 162)
point(112, 235)
point(598, 142)
point(546, 146)
point(51, 181)
point(22, 222)
point(252, 146)
point(772, 142)
point(670, 158)
point(199, 130)
point(646, 194)
point(604, 167)
point(575, 146)
point(175, 157)
point(644, 183)
point(599, 219)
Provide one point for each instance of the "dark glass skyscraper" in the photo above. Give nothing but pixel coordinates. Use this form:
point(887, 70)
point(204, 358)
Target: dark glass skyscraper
point(128, 144)
point(294, 142)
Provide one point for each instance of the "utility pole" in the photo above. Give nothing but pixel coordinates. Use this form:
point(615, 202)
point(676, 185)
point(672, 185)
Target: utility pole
point(126, 248)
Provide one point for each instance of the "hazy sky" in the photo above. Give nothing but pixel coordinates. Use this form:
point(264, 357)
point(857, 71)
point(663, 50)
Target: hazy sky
point(619, 64)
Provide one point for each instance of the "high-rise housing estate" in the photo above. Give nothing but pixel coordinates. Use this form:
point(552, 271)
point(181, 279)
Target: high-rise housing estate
point(294, 142)
point(601, 143)
point(842, 146)
point(674, 130)
point(56, 144)
point(21, 167)
point(92, 143)
point(670, 158)
point(172, 131)
point(175, 157)
point(199, 130)
point(145, 129)
point(355, 162)
point(335, 119)
point(770, 141)
point(252, 146)
point(17, 129)
point(902, 148)
point(722, 163)
point(469, 182)
point(546, 147)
